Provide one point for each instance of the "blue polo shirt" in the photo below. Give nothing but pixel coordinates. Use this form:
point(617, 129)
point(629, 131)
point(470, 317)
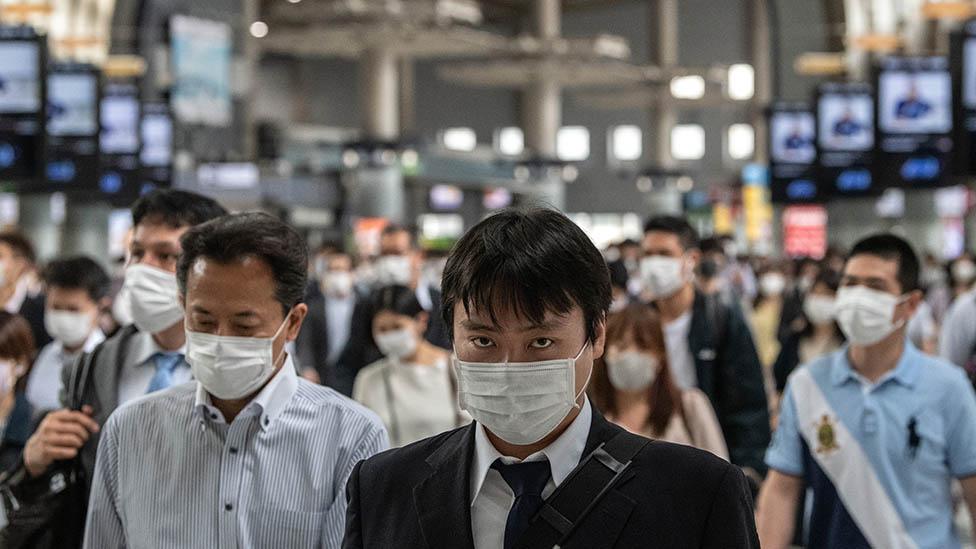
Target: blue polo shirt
point(940, 400)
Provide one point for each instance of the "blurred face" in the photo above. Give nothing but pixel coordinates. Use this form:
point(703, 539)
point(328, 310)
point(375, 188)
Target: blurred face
point(397, 243)
point(880, 274)
point(387, 322)
point(339, 263)
point(71, 300)
point(515, 339)
point(238, 299)
point(156, 245)
point(625, 342)
point(664, 244)
point(822, 290)
point(12, 264)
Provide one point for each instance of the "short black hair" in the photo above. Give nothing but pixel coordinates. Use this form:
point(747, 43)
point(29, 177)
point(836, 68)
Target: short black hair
point(78, 273)
point(20, 244)
point(175, 208)
point(618, 275)
point(892, 248)
point(530, 261)
point(711, 245)
point(677, 226)
point(233, 237)
point(396, 299)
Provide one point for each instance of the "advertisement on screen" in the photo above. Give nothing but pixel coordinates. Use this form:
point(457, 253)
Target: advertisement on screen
point(120, 122)
point(156, 134)
point(22, 58)
point(914, 112)
point(120, 177)
point(72, 104)
point(793, 153)
point(201, 59)
point(845, 124)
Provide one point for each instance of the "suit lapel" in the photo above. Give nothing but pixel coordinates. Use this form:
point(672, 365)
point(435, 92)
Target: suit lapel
point(443, 499)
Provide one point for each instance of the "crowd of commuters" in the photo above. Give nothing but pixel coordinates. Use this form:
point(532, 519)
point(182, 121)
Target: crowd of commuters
point(238, 391)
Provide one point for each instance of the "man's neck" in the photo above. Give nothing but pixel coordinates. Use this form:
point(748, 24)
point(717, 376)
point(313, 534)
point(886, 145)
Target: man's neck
point(874, 361)
point(671, 308)
point(522, 452)
point(172, 338)
point(8, 291)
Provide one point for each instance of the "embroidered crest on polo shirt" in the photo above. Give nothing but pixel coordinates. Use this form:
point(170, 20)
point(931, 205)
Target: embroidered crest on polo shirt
point(826, 436)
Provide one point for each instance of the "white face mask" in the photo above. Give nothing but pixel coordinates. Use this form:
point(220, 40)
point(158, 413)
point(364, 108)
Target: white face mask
point(153, 298)
point(122, 308)
point(69, 328)
point(393, 269)
point(337, 283)
point(865, 315)
point(663, 276)
point(519, 402)
point(397, 344)
point(772, 285)
point(231, 367)
point(619, 304)
point(819, 309)
point(632, 370)
point(963, 272)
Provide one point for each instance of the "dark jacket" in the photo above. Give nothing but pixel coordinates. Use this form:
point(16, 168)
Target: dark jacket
point(672, 496)
point(33, 311)
point(730, 374)
point(787, 360)
point(312, 345)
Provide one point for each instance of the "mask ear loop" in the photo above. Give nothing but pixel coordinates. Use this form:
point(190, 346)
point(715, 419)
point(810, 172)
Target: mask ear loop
point(282, 356)
point(589, 376)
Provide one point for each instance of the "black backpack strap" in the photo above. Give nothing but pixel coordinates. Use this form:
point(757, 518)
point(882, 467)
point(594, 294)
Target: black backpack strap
point(580, 493)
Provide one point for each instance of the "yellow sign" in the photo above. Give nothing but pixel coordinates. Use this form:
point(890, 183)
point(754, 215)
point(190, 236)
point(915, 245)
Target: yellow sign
point(722, 219)
point(948, 9)
point(758, 212)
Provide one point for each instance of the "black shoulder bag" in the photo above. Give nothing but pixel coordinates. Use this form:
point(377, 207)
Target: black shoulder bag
point(581, 492)
point(49, 512)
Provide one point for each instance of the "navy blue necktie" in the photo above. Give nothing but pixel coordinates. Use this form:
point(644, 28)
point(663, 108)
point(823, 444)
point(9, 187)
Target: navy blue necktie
point(527, 480)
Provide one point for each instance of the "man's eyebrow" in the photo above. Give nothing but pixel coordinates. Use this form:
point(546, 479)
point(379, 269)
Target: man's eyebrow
point(477, 326)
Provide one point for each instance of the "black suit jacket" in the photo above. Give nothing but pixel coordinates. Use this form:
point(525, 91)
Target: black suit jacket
point(312, 344)
point(419, 496)
point(33, 311)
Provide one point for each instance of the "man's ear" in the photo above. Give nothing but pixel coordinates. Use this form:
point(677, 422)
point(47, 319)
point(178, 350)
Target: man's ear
point(600, 341)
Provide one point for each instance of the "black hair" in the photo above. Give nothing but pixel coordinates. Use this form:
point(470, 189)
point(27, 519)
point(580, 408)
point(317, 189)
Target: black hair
point(618, 275)
point(711, 245)
point(175, 208)
point(630, 242)
point(892, 248)
point(530, 262)
point(236, 236)
point(829, 278)
point(677, 226)
point(396, 299)
point(78, 273)
point(20, 245)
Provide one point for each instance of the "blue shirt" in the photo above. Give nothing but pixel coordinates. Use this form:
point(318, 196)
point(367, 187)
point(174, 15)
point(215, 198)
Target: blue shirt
point(171, 472)
point(937, 396)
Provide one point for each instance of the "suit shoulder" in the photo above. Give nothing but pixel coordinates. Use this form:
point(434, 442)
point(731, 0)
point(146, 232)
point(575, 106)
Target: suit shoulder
point(406, 459)
point(685, 465)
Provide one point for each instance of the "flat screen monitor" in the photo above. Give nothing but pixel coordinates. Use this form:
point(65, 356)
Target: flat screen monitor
point(846, 139)
point(156, 131)
point(20, 81)
point(120, 120)
point(793, 153)
point(72, 104)
point(446, 198)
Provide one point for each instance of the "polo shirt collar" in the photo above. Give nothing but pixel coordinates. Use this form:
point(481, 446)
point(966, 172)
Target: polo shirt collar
point(905, 373)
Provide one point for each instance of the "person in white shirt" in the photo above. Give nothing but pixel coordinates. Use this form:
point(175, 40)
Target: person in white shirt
point(77, 291)
point(411, 388)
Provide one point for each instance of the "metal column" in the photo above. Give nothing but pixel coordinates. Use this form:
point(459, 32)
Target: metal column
point(380, 92)
point(542, 109)
point(664, 199)
point(762, 64)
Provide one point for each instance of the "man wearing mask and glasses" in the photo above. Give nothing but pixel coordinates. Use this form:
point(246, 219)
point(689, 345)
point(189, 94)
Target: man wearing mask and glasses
point(249, 455)
point(877, 430)
point(525, 297)
point(139, 359)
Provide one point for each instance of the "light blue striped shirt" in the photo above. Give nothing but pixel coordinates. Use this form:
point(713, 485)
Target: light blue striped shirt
point(172, 473)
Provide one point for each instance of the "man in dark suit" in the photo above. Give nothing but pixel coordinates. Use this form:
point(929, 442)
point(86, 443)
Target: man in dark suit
point(525, 297)
point(327, 327)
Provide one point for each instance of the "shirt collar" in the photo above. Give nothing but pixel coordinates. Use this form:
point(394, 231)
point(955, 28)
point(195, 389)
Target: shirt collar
point(94, 339)
point(16, 301)
point(906, 372)
point(564, 453)
point(148, 347)
point(268, 404)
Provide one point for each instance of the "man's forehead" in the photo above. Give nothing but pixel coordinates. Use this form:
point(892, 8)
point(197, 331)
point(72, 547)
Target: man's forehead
point(508, 320)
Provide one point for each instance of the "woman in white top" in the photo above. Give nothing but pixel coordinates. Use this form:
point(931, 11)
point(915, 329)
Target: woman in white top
point(633, 386)
point(411, 388)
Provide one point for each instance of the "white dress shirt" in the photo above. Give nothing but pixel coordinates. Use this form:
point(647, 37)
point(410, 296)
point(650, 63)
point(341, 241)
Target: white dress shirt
point(338, 319)
point(16, 301)
point(680, 361)
point(44, 380)
point(493, 498)
point(139, 368)
point(171, 472)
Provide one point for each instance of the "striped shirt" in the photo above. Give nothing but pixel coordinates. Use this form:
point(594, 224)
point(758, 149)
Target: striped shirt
point(172, 473)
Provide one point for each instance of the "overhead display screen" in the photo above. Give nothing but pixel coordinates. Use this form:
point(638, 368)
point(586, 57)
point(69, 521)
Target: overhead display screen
point(914, 112)
point(22, 58)
point(20, 76)
point(71, 149)
point(72, 103)
point(120, 120)
point(793, 153)
point(846, 138)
